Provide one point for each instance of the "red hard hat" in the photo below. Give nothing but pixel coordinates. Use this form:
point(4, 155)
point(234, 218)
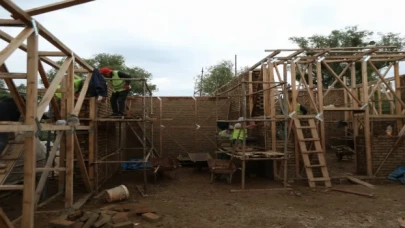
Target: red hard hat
point(105, 70)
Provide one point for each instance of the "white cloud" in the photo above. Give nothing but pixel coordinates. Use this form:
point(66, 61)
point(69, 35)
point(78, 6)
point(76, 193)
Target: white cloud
point(174, 39)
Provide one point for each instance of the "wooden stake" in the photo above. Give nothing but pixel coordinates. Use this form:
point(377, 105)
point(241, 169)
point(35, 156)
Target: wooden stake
point(30, 139)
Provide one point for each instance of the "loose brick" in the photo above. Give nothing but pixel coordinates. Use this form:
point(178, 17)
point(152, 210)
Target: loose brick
point(73, 216)
point(151, 217)
point(104, 219)
point(120, 217)
point(126, 224)
point(92, 219)
point(78, 225)
point(61, 223)
point(143, 210)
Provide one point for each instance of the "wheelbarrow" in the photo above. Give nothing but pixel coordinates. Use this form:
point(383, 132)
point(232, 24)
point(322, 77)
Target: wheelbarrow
point(220, 167)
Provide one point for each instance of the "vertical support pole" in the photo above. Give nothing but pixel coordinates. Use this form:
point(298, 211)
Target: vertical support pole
point(285, 96)
point(160, 127)
point(250, 93)
point(243, 96)
point(92, 144)
point(310, 77)
point(30, 138)
point(69, 139)
point(273, 122)
point(266, 106)
point(294, 105)
point(195, 124)
point(354, 104)
point(398, 106)
point(123, 142)
point(62, 150)
point(345, 100)
point(320, 102)
point(380, 99)
point(367, 138)
point(144, 133)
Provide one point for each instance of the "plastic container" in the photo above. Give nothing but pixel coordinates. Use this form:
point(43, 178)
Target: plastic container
point(117, 194)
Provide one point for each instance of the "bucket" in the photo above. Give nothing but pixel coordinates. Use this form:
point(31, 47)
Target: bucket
point(117, 194)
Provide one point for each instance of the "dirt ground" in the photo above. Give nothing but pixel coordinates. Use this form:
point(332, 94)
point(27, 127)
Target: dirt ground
point(192, 202)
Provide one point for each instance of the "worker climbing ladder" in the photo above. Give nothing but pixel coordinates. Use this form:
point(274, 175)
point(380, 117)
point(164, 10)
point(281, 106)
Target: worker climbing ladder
point(310, 144)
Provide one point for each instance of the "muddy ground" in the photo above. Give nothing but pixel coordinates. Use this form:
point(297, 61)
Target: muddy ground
point(191, 201)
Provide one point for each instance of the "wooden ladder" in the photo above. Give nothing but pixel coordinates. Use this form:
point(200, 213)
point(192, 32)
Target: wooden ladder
point(307, 153)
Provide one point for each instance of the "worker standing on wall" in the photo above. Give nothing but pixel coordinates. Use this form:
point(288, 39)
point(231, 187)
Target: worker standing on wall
point(120, 89)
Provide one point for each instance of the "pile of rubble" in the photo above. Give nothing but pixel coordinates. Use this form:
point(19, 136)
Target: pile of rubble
point(111, 216)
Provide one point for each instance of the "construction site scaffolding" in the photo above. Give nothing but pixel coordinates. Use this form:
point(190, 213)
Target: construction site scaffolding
point(272, 91)
point(307, 68)
point(124, 122)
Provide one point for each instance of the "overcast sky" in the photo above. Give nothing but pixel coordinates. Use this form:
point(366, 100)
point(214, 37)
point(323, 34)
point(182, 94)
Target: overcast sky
point(174, 39)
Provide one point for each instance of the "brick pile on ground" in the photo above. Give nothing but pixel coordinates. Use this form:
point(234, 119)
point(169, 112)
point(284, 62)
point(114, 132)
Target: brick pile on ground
point(111, 216)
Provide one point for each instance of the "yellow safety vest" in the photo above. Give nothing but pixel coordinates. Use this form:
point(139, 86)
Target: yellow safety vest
point(298, 110)
point(76, 84)
point(236, 135)
point(118, 85)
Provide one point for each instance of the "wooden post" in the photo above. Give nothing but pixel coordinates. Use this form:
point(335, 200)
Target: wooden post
point(398, 106)
point(293, 106)
point(345, 103)
point(355, 122)
point(366, 120)
point(320, 102)
point(69, 139)
point(92, 144)
point(62, 149)
point(30, 138)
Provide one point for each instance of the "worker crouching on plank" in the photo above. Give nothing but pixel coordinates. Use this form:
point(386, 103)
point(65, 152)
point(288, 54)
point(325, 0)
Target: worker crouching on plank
point(240, 133)
point(120, 89)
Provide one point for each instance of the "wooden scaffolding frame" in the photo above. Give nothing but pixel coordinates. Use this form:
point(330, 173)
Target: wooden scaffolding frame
point(361, 105)
point(33, 111)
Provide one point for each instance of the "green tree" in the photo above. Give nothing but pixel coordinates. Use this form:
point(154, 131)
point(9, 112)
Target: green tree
point(348, 37)
point(22, 88)
point(3, 92)
point(115, 62)
point(215, 77)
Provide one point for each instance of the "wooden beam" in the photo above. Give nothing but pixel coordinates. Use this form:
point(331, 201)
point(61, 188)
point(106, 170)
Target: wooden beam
point(367, 136)
point(51, 90)
point(55, 6)
point(14, 92)
point(14, 44)
point(92, 142)
point(69, 139)
point(397, 98)
point(398, 89)
point(82, 95)
point(341, 82)
point(30, 139)
point(82, 165)
point(12, 23)
point(52, 53)
point(13, 76)
point(49, 162)
point(320, 103)
point(19, 13)
point(54, 103)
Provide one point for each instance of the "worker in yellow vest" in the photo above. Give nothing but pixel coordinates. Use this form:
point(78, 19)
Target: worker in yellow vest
point(299, 108)
point(77, 83)
point(120, 89)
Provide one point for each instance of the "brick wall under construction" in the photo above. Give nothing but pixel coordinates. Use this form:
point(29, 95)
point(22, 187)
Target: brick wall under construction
point(187, 125)
point(380, 148)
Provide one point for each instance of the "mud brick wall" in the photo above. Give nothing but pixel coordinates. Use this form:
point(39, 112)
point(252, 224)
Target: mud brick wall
point(380, 147)
point(187, 125)
point(107, 142)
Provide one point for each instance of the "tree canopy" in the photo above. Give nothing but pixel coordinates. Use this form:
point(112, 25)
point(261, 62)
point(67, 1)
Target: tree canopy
point(350, 36)
point(115, 62)
point(216, 76)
